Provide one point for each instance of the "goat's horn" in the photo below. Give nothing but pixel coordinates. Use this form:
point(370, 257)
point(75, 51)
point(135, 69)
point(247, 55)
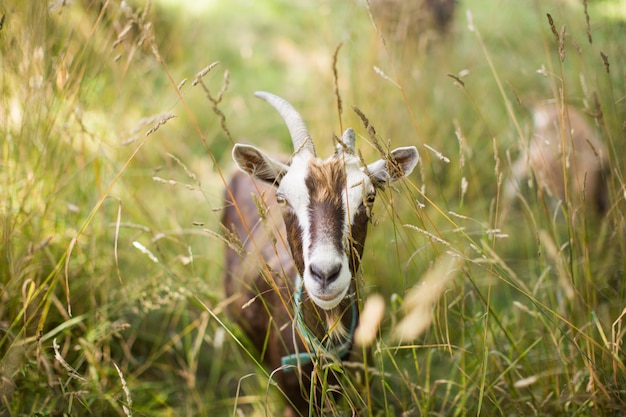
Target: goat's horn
point(297, 128)
point(348, 139)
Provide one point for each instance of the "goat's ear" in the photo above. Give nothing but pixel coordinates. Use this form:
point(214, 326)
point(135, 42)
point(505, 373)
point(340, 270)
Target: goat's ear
point(385, 170)
point(256, 163)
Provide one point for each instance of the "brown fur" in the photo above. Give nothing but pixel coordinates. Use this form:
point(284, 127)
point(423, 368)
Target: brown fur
point(326, 180)
point(406, 20)
point(568, 159)
point(261, 303)
point(325, 185)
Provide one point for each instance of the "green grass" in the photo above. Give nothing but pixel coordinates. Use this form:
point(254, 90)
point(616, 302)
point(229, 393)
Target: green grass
point(110, 259)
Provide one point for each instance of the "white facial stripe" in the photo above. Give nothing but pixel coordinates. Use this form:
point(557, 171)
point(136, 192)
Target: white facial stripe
point(293, 187)
point(323, 254)
point(358, 186)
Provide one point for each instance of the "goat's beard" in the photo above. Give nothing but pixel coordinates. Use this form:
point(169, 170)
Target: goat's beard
point(337, 331)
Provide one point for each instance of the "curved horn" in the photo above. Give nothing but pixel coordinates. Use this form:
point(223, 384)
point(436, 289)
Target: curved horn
point(297, 128)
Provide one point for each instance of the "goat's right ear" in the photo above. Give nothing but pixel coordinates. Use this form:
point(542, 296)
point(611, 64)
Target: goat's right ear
point(406, 159)
point(256, 163)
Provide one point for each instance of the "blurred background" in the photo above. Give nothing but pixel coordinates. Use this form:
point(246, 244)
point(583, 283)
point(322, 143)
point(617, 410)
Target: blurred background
point(117, 119)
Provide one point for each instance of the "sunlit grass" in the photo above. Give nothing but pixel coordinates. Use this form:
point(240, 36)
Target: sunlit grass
point(110, 268)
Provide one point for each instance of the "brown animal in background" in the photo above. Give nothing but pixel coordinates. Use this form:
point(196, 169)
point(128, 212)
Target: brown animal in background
point(297, 304)
point(403, 20)
point(565, 154)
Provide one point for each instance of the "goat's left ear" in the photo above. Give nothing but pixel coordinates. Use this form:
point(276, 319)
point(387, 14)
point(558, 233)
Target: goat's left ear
point(256, 163)
point(384, 170)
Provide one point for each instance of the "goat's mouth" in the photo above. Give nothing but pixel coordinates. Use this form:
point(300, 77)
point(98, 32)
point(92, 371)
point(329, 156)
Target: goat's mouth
point(328, 301)
point(327, 298)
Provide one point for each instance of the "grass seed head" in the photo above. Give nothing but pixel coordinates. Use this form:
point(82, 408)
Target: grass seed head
point(371, 316)
point(421, 299)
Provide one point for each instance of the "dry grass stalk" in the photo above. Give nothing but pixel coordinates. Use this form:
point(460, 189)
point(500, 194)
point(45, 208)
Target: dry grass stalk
point(61, 360)
point(336, 85)
point(555, 255)
point(160, 122)
point(129, 400)
point(216, 100)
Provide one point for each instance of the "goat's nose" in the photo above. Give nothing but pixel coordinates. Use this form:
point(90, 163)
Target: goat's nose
point(326, 273)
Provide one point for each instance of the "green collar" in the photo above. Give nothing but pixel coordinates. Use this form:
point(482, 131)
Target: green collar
point(315, 349)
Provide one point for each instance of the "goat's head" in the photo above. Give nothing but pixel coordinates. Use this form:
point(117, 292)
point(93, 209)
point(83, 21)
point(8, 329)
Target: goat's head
point(326, 203)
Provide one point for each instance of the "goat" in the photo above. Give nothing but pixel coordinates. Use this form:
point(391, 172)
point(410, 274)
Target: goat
point(297, 305)
point(404, 20)
point(567, 158)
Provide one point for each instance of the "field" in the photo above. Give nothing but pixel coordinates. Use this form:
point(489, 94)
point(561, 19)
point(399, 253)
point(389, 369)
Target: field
point(116, 124)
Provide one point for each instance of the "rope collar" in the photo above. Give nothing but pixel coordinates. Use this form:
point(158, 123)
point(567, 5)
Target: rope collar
point(315, 348)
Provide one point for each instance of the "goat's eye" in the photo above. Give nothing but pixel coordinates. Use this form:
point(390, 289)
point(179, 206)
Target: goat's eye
point(370, 198)
point(281, 200)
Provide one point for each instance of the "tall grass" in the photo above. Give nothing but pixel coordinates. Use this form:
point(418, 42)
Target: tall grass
point(115, 144)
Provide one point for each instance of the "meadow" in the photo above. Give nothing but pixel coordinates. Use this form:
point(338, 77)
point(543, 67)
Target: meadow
point(117, 119)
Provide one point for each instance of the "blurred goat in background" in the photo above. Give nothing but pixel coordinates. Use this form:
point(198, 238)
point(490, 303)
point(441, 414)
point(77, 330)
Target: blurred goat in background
point(567, 158)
